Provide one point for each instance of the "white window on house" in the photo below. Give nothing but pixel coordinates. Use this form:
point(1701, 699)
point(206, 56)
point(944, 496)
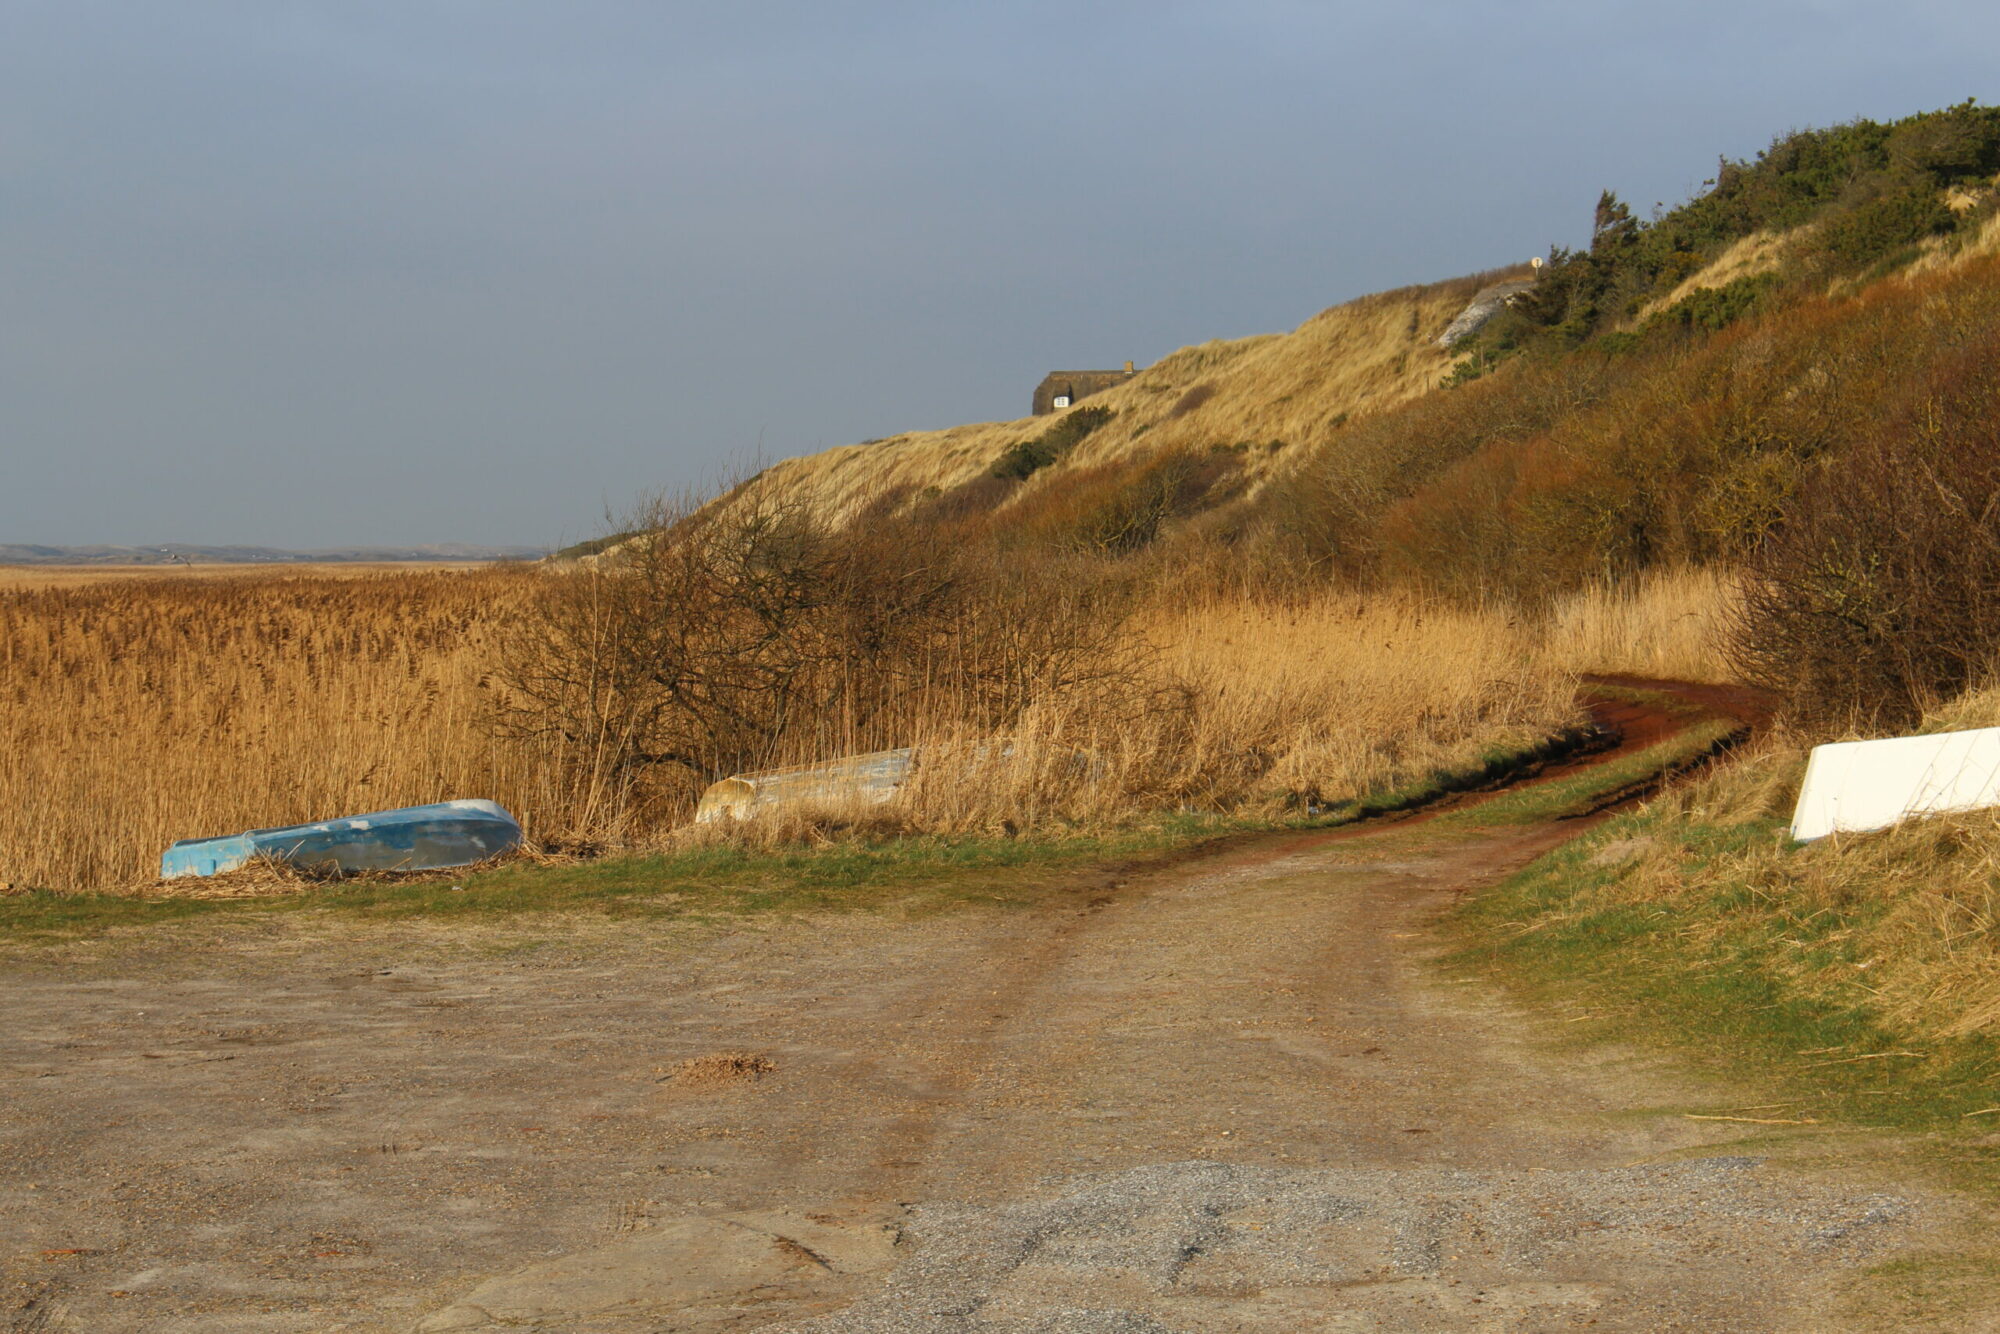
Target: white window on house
point(1062, 400)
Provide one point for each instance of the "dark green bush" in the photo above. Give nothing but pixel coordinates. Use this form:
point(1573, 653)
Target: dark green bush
point(1876, 188)
point(1883, 226)
point(1031, 456)
point(1715, 308)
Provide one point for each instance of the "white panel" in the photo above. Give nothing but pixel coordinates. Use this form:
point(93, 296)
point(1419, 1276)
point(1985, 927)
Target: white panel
point(1859, 785)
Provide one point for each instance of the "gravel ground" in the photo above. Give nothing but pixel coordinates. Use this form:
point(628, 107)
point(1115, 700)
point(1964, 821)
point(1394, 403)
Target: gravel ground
point(1213, 1246)
point(1232, 1096)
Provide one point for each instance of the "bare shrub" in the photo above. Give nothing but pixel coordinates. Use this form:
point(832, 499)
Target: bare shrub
point(752, 635)
point(1878, 596)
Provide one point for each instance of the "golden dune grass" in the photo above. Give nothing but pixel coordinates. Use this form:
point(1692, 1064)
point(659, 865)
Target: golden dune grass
point(1292, 391)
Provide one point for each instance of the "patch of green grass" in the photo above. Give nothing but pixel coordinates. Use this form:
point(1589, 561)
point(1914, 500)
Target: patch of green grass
point(1592, 788)
point(46, 914)
point(732, 881)
point(1712, 974)
point(1494, 766)
point(916, 873)
point(1917, 1291)
point(1678, 706)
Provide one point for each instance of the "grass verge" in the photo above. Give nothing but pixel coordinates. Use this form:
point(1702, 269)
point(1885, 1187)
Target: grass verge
point(912, 873)
point(1714, 967)
point(917, 873)
point(1602, 785)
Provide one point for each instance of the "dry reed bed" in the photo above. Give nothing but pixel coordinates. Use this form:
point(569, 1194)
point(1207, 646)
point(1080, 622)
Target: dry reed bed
point(1348, 695)
point(1669, 624)
point(77, 576)
point(133, 713)
point(1261, 708)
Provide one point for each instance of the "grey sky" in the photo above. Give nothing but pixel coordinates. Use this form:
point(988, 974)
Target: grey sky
point(400, 271)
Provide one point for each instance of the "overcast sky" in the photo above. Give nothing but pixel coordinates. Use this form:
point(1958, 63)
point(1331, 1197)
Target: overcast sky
point(400, 271)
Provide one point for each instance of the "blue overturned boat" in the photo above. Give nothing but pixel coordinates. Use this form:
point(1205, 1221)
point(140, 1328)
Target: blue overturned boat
point(414, 838)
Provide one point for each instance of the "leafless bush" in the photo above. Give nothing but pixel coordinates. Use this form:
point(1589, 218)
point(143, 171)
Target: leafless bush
point(753, 634)
point(1878, 596)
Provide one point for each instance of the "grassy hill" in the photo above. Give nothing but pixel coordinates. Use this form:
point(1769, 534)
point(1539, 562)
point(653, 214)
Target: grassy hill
point(1668, 396)
point(1818, 213)
point(1263, 396)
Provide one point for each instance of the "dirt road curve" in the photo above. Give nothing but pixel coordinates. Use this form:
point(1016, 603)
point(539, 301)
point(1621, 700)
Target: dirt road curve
point(1231, 1096)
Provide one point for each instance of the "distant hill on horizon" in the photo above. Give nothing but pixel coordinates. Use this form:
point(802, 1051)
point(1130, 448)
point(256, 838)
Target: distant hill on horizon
point(183, 553)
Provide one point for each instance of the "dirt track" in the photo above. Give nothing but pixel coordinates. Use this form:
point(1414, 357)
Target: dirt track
point(1230, 1096)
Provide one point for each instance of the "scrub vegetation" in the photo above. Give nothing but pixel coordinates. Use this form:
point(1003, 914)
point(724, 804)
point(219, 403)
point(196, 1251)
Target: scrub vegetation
point(1789, 378)
point(1858, 975)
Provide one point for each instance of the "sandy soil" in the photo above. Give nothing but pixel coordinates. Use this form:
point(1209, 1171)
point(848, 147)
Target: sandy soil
point(1237, 1095)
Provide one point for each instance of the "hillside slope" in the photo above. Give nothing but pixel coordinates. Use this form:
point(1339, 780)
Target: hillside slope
point(1272, 393)
point(1796, 237)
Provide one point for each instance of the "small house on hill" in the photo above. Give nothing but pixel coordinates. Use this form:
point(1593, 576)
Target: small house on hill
point(1062, 389)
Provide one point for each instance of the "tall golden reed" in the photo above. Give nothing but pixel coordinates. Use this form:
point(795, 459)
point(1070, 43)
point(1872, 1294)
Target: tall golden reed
point(1667, 623)
point(133, 713)
point(136, 712)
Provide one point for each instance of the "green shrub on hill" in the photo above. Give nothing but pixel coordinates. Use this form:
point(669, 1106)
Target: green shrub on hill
point(1874, 189)
point(1031, 456)
point(1713, 309)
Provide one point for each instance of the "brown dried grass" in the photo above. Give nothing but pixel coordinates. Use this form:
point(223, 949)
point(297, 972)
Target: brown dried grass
point(1667, 623)
point(722, 1067)
point(72, 576)
point(135, 712)
point(1902, 923)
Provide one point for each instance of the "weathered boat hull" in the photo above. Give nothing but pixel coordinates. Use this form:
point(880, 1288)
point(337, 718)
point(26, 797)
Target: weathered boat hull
point(863, 779)
point(1857, 786)
point(413, 838)
point(873, 779)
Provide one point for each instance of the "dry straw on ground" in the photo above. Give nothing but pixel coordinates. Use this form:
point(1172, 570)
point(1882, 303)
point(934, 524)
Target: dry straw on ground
point(722, 1067)
point(1903, 923)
